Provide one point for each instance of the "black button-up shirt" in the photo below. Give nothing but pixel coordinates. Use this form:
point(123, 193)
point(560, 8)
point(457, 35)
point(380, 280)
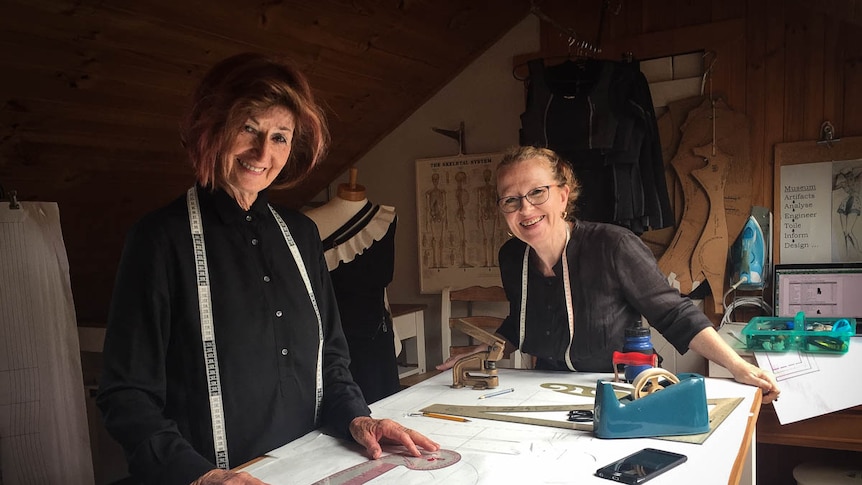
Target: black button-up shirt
point(153, 393)
point(614, 280)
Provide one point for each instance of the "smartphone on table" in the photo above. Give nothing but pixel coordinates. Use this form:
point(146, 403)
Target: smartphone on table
point(641, 466)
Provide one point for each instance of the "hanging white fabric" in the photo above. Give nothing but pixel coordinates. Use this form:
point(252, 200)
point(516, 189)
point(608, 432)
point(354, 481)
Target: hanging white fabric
point(44, 435)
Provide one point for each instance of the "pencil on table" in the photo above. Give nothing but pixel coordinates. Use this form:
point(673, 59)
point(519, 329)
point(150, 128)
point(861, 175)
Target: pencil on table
point(444, 416)
point(497, 393)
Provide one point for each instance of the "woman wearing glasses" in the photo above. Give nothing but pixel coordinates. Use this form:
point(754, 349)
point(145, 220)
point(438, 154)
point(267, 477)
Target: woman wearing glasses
point(574, 286)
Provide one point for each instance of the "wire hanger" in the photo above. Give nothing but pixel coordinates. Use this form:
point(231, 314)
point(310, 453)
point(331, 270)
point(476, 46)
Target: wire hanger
point(577, 46)
point(707, 77)
point(581, 44)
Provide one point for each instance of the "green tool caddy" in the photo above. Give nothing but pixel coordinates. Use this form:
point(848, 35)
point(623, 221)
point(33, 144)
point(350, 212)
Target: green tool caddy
point(830, 335)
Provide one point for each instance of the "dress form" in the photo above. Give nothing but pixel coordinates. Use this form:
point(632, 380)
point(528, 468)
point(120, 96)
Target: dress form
point(358, 239)
point(335, 213)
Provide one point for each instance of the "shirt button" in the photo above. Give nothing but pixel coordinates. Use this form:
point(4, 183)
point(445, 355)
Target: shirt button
point(283, 351)
point(248, 217)
point(266, 279)
point(254, 242)
point(278, 313)
point(548, 332)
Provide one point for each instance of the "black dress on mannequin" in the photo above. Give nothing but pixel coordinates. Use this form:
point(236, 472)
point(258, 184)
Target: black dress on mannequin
point(361, 260)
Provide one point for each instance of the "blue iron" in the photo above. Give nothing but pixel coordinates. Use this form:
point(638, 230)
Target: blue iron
point(748, 256)
point(678, 409)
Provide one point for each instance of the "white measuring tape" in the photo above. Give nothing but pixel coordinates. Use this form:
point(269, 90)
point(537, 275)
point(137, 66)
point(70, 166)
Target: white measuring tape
point(208, 330)
point(294, 250)
point(569, 307)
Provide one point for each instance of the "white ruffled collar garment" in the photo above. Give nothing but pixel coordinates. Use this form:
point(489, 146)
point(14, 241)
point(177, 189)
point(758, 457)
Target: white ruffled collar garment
point(362, 231)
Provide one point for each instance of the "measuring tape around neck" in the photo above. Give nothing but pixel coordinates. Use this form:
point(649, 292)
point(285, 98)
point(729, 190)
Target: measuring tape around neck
point(208, 329)
point(567, 286)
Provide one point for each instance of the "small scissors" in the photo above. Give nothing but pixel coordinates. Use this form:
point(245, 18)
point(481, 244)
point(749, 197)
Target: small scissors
point(581, 415)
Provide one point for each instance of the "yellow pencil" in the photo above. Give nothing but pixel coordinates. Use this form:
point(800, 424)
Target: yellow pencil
point(444, 416)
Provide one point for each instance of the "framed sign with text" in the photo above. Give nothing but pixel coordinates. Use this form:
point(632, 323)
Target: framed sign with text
point(818, 201)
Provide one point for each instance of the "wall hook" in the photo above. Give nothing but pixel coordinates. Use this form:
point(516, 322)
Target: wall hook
point(827, 134)
point(457, 135)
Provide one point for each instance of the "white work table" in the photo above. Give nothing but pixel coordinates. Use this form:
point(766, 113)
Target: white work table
point(496, 452)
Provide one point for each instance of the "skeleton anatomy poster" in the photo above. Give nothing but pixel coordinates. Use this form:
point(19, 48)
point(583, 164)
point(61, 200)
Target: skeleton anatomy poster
point(460, 227)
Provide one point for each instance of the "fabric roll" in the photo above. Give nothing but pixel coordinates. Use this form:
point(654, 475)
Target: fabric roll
point(43, 421)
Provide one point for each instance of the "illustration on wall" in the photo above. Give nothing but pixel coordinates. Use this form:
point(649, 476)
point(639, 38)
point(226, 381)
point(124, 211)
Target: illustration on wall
point(847, 205)
point(460, 228)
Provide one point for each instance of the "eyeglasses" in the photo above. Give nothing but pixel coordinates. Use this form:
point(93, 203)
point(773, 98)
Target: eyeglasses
point(537, 196)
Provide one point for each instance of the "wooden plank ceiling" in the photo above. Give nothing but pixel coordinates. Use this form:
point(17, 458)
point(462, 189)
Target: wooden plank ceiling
point(92, 90)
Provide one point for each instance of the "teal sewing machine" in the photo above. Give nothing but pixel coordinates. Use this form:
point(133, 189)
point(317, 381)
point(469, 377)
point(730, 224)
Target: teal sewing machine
point(679, 409)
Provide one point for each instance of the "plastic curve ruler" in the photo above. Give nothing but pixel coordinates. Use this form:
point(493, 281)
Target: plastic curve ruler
point(372, 469)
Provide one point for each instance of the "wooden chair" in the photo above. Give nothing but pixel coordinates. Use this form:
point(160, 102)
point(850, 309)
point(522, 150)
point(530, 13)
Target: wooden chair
point(481, 306)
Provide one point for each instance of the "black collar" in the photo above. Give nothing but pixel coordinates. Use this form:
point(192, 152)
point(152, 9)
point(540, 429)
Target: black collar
point(228, 209)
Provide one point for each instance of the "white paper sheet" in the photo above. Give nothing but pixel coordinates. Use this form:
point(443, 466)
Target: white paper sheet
point(814, 384)
point(497, 452)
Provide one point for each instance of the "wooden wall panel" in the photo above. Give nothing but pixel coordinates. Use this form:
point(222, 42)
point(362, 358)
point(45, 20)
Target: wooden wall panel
point(658, 15)
point(814, 52)
point(774, 88)
point(730, 9)
point(852, 93)
point(852, 97)
point(755, 93)
point(833, 73)
point(634, 18)
point(691, 12)
point(796, 45)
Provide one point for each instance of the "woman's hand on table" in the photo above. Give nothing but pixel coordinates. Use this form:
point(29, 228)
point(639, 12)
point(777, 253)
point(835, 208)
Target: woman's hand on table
point(750, 374)
point(370, 432)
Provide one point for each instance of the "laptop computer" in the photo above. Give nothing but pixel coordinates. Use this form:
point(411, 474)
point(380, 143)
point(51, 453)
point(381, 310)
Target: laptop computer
point(819, 290)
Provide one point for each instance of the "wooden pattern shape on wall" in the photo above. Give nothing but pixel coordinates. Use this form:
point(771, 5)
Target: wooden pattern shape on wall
point(709, 259)
point(731, 132)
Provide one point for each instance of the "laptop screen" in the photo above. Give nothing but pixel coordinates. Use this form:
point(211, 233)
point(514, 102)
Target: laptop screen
point(819, 290)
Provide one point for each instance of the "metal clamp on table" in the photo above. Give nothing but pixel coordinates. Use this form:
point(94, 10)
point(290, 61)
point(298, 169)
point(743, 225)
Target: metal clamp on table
point(478, 370)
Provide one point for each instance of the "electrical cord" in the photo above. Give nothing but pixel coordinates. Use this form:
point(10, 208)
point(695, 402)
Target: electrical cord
point(730, 290)
point(742, 301)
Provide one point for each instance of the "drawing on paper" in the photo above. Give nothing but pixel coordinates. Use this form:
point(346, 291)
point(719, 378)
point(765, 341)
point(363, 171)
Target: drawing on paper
point(847, 207)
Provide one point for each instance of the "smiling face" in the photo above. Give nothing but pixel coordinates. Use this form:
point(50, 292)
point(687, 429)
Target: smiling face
point(258, 153)
point(534, 224)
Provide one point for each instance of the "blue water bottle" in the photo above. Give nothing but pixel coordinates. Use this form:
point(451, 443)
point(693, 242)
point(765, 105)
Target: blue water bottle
point(637, 340)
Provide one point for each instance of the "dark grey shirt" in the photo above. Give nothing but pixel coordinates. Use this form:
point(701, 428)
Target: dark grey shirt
point(153, 393)
point(614, 280)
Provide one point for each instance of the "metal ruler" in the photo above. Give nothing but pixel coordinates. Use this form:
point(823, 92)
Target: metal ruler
point(720, 410)
point(493, 413)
